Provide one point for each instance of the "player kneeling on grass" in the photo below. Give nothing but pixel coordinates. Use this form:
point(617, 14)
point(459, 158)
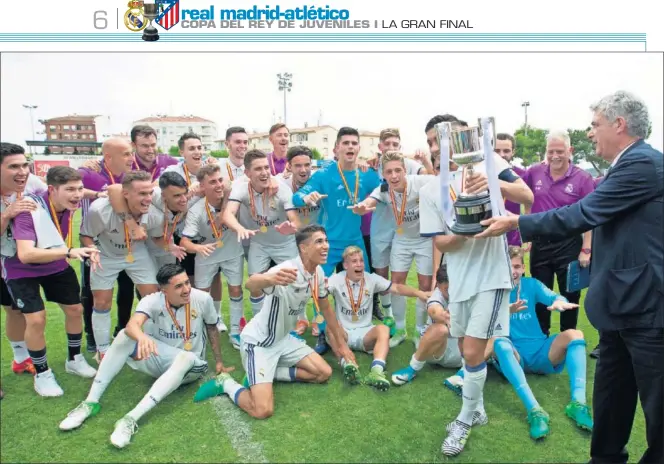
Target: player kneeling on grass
point(353, 290)
point(173, 352)
point(269, 351)
point(436, 346)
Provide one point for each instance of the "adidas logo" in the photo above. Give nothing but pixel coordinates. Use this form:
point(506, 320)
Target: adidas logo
point(499, 327)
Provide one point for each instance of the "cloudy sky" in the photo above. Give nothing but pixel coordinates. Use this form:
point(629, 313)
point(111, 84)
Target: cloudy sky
point(367, 91)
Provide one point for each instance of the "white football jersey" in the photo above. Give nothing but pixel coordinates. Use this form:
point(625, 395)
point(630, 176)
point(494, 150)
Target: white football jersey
point(373, 283)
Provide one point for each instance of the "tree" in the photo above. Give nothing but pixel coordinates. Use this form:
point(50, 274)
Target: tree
point(316, 154)
point(47, 151)
point(584, 150)
point(530, 147)
point(174, 151)
point(219, 153)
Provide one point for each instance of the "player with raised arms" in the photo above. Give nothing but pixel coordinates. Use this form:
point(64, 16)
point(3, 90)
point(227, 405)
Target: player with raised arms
point(273, 219)
point(173, 352)
point(269, 351)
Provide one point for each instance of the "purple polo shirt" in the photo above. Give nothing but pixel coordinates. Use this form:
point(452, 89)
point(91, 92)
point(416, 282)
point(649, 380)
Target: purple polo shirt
point(513, 236)
point(23, 228)
point(161, 162)
point(277, 165)
point(97, 181)
point(550, 194)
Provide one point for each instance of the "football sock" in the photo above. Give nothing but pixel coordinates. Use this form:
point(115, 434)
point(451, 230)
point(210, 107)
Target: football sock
point(285, 374)
point(473, 386)
point(101, 327)
point(39, 360)
point(386, 303)
point(415, 364)
point(514, 373)
point(20, 350)
point(575, 361)
point(237, 311)
point(74, 344)
point(256, 304)
point(420, 315)
point(399, 311)
point(164, 385)
point(114, 359)
point(378, 365)
point(217, 307)
point(233, 389)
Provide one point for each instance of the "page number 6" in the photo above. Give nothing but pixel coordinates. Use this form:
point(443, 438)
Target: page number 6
point(100, 21)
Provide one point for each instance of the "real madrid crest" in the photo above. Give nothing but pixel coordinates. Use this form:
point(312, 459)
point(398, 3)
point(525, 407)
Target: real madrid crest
point(134, 18)
point(194, 313)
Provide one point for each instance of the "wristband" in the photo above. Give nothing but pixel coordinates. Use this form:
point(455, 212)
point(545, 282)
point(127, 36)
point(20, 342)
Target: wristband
point(69, 253)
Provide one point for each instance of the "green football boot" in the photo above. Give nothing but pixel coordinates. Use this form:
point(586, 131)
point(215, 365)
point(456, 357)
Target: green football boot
point(212, 388)
point(377, 379)
point(580, 414)
point(352, 373)
point(539, 423)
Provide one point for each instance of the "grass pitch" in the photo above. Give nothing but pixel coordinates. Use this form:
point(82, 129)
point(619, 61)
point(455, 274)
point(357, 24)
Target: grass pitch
point(312, 423)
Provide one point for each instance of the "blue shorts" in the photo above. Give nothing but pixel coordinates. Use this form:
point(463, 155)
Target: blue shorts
point(534, 356)
point(334, 256)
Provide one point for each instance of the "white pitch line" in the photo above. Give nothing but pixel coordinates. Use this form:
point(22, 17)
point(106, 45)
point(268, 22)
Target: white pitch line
point(238, 430)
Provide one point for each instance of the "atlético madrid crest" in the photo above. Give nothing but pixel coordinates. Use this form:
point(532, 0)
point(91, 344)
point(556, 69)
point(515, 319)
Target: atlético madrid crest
point(169, 13)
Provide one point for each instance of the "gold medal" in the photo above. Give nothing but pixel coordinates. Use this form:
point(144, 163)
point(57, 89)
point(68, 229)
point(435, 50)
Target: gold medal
point(399, 231)
point(220, 243)
point(355, 318)
point(186, 334)
point(320, 319)
point(130, 258)
point(355, 305)
point(399, 213)
point(188, 345)
point(263, 229)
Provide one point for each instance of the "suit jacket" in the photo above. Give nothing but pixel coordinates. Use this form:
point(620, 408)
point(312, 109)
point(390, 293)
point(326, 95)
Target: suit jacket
point(625, 215)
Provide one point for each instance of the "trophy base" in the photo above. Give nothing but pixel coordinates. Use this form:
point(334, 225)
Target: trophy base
point(470, 211)
point(150, 34)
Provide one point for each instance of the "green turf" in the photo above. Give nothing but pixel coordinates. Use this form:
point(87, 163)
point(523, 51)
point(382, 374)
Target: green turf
point(311, 423)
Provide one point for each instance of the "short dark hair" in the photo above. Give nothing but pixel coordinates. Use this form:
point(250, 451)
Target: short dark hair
point(438, 119)
point(347, 131)
point(234, 130)
point(185, 137)
point(306, 232)
point(252, 155)
point(172, 179)
point(277, 126)
point(135, 176)
point(461, 123)
point(167, 272)
point(441, 274)
point(504, 136)
point(207, 170)
point(298, 150)
point(10, 149)
point(61, 175)
point(142, 130)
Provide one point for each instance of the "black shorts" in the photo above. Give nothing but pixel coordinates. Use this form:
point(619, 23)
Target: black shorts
point(5, 296)
point(62, 288)
point(189, 261)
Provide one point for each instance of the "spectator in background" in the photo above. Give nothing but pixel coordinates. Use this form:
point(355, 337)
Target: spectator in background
point(556, 184)
point(505, 145)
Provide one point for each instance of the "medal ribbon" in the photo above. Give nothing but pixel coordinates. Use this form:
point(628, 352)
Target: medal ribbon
point(273, 170)
point(54, 217)
point(398, 217)
point(138, 168)
point(252, 204)
point(186, 174)
point(216, 232)
point(187, 312)
point(314, 290)
point(353, 304)
point(353, 199)
point(108, 171)
point(306, 210)
point(230, 172)
point(127, 239)
point(167, 236)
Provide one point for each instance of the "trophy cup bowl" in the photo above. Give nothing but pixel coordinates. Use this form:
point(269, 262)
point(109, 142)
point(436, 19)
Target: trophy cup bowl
point(150, 12)
point(466, 150)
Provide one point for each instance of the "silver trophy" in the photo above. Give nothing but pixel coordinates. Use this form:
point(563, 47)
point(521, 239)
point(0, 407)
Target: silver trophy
point(150, 11)
point(466, 150)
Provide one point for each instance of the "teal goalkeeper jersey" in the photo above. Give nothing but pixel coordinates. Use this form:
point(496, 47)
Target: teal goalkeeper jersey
point(524, 324)
point(342, 226)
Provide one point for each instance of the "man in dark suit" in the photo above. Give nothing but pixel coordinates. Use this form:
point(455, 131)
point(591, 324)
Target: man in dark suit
point(625, 300)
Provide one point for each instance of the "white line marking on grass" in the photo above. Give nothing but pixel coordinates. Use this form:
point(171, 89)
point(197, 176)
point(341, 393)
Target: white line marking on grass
point(238, 430)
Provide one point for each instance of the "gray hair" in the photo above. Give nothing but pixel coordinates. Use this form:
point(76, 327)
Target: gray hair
point(624, 105)
point(561, 135)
